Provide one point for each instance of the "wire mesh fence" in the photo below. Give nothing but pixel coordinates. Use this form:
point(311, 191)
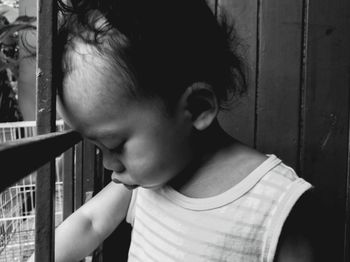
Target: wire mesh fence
point(17, 203)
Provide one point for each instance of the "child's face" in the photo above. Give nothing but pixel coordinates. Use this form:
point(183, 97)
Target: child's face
point(140, 143)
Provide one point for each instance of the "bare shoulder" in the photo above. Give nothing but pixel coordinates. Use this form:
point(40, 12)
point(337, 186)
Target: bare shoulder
point(299, 236)
point(247, 157)
point(239, 162)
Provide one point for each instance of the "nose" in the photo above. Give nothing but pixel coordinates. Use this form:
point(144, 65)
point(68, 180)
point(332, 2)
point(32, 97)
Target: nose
point(111, 162)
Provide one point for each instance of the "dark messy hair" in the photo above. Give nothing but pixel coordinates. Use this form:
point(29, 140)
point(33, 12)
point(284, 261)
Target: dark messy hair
point(162, 47)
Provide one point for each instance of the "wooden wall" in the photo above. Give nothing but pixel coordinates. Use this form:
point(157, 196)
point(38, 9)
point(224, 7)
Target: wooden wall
point(297, 106)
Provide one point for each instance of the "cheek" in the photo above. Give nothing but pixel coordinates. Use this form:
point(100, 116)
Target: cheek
point(144, 155)
point(154, 158)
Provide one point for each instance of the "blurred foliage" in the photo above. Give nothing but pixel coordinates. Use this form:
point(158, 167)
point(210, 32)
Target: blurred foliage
point(12, 3)
point(10, 40)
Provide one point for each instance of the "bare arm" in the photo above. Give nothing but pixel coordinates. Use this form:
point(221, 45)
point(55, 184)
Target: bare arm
point(87, 227)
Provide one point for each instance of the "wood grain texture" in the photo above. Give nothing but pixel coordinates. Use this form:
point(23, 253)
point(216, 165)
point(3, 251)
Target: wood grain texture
point(78, 185)
point(68, 179)
point(46, 119)
point(278, 93)
point(239, 120)
point(68, 182)
point(44, 211)
point(100, 169)
point(89, 156)
point(98, 254)
point(347, 208)
point(324, 148)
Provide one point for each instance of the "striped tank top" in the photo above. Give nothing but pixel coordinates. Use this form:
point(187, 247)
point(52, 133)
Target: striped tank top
point(241, 224)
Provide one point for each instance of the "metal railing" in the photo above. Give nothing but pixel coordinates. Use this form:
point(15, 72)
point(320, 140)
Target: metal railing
point(18, 158)
point(21, 157)
point(17, 202)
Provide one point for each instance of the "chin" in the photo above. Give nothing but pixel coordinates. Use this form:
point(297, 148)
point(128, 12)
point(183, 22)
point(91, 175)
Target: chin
point(154, 187)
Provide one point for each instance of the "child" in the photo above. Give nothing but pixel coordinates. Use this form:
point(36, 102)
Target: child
point(144, 81)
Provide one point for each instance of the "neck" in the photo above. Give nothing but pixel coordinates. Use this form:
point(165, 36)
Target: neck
point(208, 147)
point(212, 139)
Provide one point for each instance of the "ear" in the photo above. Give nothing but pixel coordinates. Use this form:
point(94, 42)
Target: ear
point(200, 102)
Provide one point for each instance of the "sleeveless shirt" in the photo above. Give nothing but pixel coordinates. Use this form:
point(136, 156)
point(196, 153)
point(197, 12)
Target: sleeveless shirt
point(240, 224)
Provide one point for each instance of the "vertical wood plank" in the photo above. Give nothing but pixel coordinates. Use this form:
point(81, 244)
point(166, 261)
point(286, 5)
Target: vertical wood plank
point(278, 93)
point(68, 182)
point(100, 169)
point(99, 183)
point(324, 155)
point(239, 121)
point(93, 177)
point(78, 183)
point(347, 209)
point(89, 155)
point(46, 122)
point(44, 213)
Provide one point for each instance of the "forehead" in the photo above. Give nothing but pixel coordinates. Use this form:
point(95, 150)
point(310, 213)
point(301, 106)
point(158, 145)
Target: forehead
point(93, 71)
point(92, 86)
point(96, 73)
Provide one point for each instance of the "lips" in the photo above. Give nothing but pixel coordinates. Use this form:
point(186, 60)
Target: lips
point(117, 181)
point(130, 187)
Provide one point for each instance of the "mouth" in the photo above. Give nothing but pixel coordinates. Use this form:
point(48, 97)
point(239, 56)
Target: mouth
point(130, 187)
point(117, 181)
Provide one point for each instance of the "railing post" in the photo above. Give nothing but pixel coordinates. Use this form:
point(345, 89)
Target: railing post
point(68, 182)
point(46, 117)
point(78, 186)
